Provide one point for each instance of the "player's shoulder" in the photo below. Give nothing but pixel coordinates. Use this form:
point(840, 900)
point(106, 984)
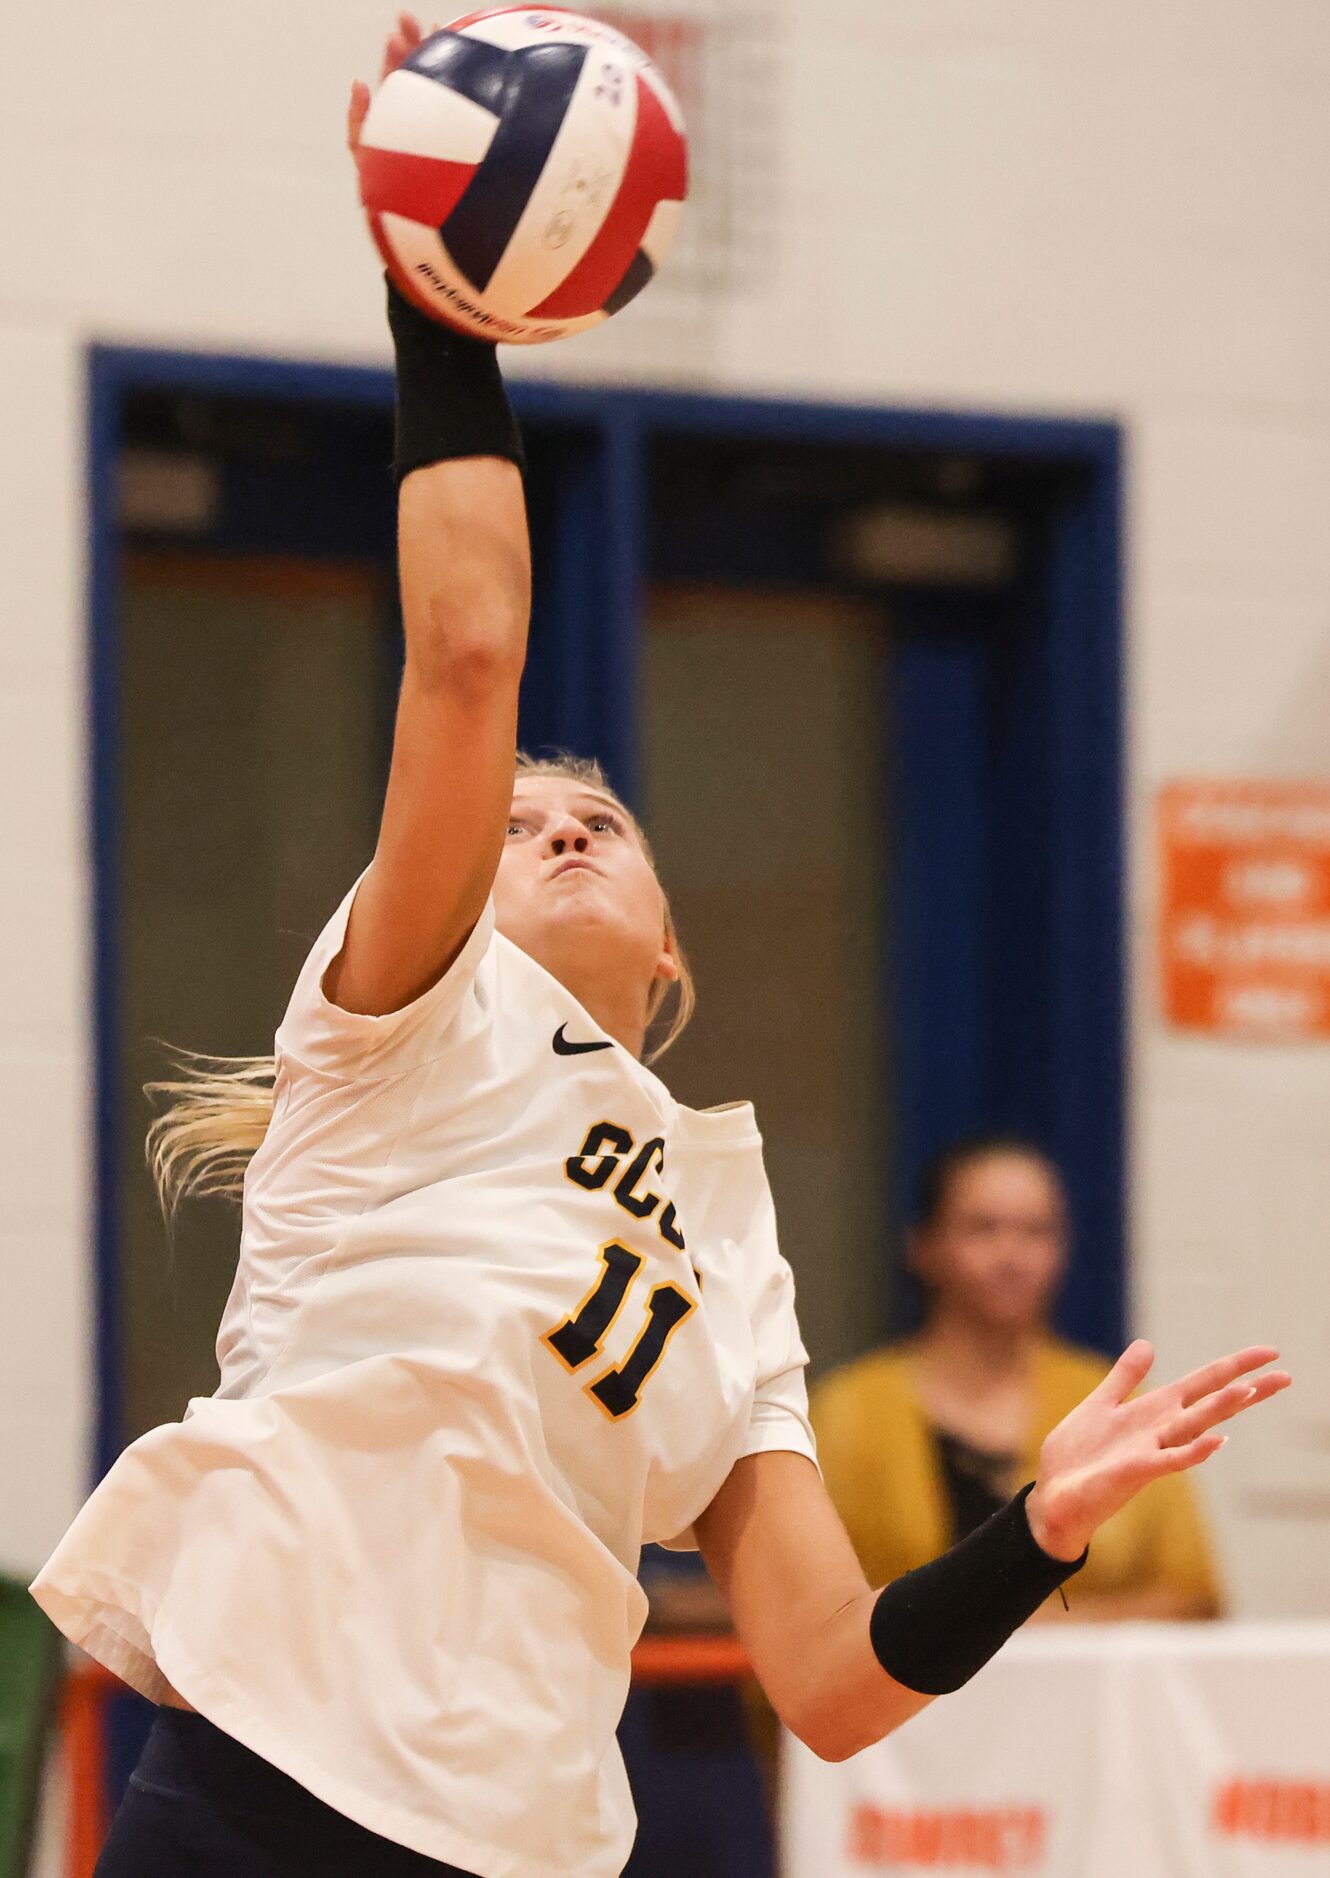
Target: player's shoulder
point(722, 1127)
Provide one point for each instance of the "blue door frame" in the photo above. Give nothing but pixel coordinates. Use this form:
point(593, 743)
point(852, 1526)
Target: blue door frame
point(1007, 993)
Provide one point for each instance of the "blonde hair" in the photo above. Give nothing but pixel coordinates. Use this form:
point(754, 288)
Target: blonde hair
point(218, 1107)
point(218, 1111)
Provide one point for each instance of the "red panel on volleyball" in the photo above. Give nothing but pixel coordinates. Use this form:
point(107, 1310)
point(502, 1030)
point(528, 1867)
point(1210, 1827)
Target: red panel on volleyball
point(657, 171)
point(423, 189)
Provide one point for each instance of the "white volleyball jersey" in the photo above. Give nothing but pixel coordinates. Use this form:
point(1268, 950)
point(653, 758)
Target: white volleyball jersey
point(504, 1312)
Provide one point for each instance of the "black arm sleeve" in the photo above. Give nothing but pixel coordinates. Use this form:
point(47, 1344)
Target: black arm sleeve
point(451, 400)
point(932, 1629)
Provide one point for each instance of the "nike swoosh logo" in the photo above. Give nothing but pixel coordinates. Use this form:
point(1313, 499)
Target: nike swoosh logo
point(564, 1046)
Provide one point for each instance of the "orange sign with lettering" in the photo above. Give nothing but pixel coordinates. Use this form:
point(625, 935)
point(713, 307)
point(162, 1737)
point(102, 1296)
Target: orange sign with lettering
point(1280, 1812)
point(1004, 1839)
point(1244, 919)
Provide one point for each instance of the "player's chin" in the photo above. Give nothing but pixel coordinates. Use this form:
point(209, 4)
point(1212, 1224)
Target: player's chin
point(575, 901)
point(576, 894)
point(603, 922)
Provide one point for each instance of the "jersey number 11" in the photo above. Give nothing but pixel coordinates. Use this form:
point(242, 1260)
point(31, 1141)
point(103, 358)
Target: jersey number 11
point(581, 1336)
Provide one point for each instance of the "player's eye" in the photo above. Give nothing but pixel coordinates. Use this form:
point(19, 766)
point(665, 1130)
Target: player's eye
point(605, 823)
point(516, 828)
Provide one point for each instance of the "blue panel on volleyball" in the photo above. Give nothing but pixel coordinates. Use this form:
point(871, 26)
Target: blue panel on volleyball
point(640, 271)
point(540, 85)
point(479, 71)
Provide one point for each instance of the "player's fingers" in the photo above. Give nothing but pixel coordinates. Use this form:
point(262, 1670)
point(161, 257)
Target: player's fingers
point(1260, 1390)
point(1222, 1406)
point(1223, 1370)
point(356, 112)
point(1128, 1373)
point(1191, 1454)
point(402, 42)
point(1206, 1414)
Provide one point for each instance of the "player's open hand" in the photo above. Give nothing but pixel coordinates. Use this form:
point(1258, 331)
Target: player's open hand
point(1114, 1443)
point(402, 42)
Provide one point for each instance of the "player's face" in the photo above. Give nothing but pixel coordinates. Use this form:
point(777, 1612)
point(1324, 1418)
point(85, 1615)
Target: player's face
point(575, 889)
point(996, 1250)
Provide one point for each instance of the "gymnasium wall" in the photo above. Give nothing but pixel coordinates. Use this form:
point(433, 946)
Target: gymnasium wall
point(1050, 205)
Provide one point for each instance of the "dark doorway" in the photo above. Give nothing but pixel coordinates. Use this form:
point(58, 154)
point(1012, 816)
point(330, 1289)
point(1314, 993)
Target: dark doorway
point(858, 669)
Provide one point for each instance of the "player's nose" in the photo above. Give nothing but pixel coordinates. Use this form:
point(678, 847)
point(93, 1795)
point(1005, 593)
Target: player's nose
point(566, 835)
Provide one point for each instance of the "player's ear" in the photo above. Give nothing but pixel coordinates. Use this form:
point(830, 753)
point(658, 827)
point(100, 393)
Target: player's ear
point(667, 965)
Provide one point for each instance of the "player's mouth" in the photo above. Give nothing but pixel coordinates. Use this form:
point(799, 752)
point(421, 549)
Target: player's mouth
point(570, 863)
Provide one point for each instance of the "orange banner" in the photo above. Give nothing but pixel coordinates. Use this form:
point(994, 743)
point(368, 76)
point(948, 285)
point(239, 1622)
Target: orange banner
point(1244, 918)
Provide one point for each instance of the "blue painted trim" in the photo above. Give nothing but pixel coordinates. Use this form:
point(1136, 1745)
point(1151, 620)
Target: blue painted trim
point(585, 492)
point(131, 368)
point(1088, 916)
point(935, 710)
point(1077, 440)
point(575, 621)
point(623, 531)
point(1009, 995)
point(104, 394)
point(1084, 441)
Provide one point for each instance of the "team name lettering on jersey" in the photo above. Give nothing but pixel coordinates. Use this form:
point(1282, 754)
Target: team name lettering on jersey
point(602, 1154)
point(610, 1155)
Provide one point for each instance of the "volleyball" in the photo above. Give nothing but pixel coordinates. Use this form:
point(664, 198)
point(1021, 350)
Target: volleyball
point(523, 172)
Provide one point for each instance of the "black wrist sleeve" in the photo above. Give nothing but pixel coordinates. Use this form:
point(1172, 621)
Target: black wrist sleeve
point(933, 1628)
point(450, 396)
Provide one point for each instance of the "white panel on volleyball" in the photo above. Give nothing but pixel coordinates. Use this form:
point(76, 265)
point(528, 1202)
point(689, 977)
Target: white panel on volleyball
point(420, 117)
point(567, 208)
point(420, 252)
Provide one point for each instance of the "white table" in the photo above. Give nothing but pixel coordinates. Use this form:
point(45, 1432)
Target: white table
point(1133, 1751)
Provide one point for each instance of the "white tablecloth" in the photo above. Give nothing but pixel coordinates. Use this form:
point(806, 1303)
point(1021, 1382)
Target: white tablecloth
point(1137, 1751)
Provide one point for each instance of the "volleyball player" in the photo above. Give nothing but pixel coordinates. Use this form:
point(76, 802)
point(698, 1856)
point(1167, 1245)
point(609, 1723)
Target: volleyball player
point(504, 1310)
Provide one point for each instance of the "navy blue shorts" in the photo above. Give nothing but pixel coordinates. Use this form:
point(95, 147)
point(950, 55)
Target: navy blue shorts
point(199, 1805)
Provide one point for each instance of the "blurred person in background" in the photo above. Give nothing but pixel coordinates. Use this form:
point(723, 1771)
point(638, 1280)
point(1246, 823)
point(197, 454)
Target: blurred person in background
point(920, 1441)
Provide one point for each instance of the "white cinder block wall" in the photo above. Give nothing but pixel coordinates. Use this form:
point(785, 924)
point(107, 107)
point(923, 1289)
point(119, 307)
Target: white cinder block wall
point(1050, 205)
point(45, 1091)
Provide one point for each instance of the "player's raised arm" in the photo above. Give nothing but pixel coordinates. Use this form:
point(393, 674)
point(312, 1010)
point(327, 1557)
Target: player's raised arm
point(465, 571)
point(844, 1664)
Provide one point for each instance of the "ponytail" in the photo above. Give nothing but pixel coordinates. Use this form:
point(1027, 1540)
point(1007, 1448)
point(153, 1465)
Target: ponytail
point(219, 1111)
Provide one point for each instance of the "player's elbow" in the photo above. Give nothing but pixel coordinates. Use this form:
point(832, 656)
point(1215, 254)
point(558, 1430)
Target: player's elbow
point(831, 1741)
point(468, 658)
point(837, 1715)
point(832, 1729)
